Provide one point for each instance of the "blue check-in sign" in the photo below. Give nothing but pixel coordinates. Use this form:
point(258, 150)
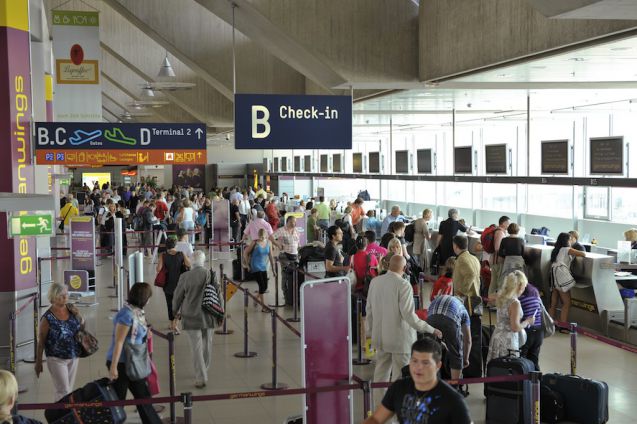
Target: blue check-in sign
point(270, 121)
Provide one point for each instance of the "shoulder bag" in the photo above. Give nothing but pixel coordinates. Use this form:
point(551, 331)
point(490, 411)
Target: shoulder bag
point(548, 325)
point(61, 226)
point(86, 342)
point(211, 301)
point(137, 358)
point(162, 275)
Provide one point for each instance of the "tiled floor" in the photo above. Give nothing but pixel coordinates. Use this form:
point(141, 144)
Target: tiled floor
point(229, 374)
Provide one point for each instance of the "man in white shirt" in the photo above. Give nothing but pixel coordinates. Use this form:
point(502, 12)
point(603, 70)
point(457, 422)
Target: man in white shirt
point(393, 216)
point(392, 321)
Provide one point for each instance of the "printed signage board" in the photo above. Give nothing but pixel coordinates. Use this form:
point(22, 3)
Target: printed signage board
point(268, 121)
point(31, 225)
point(82, 243)
point(76, 280)
point(554, 156)
point(495, 158)
point(103, 143)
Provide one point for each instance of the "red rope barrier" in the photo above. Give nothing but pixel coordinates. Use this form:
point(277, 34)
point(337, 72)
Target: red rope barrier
point(23, 307)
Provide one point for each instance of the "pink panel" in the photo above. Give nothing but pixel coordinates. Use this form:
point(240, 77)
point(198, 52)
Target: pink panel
point(328, 352)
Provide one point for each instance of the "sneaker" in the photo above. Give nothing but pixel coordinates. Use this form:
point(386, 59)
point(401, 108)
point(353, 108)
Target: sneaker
point(200, 385)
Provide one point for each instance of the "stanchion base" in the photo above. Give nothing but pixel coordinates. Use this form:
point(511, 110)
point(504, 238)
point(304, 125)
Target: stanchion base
point(114, 310)
point(245, 355)
point(29, 360)
point(178, 420)
point(224, 333)
point(277, 306)
point(361, 362)
point(159, 408)
point(277, 386)
point(23, 389)
point(293, 320)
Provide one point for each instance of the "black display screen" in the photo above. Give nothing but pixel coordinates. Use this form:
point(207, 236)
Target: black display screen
point(357, 164)
point(323, 163)
point(276, 165)
point(402, 162)
point(307, 166)
point(462, 160)
point(607, 155)
point(555, 157)
point(495, 157)
point(336, 163)
point(374, 162)
point(297, 163)
point(284, 164)
point(424, 161)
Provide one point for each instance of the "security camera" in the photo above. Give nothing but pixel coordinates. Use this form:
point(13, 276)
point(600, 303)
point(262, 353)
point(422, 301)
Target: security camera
point(469, 105)
point(227, 136)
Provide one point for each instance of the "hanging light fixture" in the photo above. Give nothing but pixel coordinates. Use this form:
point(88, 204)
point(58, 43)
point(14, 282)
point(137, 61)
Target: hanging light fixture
point(148, 98)
point(166, 70)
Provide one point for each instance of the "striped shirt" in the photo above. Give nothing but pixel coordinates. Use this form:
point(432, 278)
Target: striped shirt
point(530, 305)
point(451, 307)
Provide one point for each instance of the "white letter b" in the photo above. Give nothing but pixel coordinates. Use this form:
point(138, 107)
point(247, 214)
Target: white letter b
point(256, 121)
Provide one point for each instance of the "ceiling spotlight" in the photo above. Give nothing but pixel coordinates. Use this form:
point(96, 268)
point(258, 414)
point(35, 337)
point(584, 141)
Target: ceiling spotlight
point(147, 92)
point(503, 75)
point(620, 49)
point(577, 59)
point(166, 70)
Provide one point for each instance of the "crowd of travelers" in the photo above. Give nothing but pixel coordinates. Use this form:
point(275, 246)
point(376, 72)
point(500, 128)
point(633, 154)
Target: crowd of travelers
point(388, 260)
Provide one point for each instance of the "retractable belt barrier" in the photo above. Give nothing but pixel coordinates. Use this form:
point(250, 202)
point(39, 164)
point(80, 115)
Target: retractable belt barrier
point(187, 399)
point(574, 329)
point(13, 333)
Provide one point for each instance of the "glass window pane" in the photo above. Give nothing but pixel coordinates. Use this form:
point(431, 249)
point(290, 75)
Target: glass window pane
point(499, 197)
point(550, 200)
point(624, 205)
point(596, 202)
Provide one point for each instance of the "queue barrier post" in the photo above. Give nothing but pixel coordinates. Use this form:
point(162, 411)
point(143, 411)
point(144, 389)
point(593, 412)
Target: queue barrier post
point(224, 328)
point(186, 399)
point(367, 399)
point(245, 353)
point(172, 375)
point(276, 286)
point(359, 328)
point(536, 378)
point(36, 323)
point(274, 385)
point(295, 292)
point(12, 353)
point(573, 334)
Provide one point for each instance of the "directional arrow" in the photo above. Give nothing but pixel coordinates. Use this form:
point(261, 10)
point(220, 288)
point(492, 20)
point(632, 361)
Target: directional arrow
point(199, 132)
point(25, 225)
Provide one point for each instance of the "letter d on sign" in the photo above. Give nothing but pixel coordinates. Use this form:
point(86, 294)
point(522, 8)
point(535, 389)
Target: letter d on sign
point(256, 121)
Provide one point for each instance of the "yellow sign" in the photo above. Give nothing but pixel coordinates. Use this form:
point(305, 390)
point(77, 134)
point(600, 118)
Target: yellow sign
point(86, 72)
point(231, 289)
point(75, 282)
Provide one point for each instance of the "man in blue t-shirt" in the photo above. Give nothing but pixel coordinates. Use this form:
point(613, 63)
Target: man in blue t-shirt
point(422, 398)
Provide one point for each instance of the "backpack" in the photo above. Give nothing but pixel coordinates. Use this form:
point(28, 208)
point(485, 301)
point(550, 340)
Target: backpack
point(138, 222)
point(364, 194)
point(410, 231)
point(201, 219)
point(487, 238)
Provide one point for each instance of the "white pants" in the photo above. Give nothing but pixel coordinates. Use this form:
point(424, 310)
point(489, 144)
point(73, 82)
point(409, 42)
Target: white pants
point(389, 363)
point(201, 345)
point(63, 375)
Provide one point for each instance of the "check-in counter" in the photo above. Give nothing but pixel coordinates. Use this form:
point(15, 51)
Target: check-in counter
point(595, 299)
point(538, 263)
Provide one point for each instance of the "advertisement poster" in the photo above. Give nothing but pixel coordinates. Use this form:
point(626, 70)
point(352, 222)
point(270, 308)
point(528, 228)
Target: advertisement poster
point(76, 281)
point(77, 51)
point(82, 243)
point(189, 176)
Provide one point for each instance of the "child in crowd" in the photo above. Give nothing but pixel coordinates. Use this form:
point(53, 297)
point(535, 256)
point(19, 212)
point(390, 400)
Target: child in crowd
point(444, 284)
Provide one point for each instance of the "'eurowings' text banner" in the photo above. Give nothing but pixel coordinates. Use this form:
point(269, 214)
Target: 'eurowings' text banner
point(102, 143)
point(76, 49)
point(271, 121)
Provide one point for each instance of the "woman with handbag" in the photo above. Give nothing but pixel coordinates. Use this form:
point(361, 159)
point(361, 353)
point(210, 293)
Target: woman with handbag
point(562, 280)
point(58, 328)
point(127, 358)
point(509, 326)
point(173, 263)
point(260, 251)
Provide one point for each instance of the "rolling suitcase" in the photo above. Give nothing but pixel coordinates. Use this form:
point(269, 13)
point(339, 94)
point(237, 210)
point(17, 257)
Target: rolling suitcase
point(509, 403)
point(585, 401)
point(551, 405)
point(474, 370)
point(96, 391)
point(236, 270)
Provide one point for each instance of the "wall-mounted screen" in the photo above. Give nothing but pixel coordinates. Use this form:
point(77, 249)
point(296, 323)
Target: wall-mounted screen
point(462, 160)
point(402, 161)
point(423, 157)
point(374, 162)
point(495, 158)
point(555, 157)
point(607, 155)
point(324, 163)
point(357, 163)
point(307, 163)
point(297, 163)
point(336, 163)
point(276, 165)
point(284, 164)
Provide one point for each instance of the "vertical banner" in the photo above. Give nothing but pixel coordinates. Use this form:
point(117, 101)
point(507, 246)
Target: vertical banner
point(76, 49)
point(327, 349)
point(82, 243)
point(18, 260)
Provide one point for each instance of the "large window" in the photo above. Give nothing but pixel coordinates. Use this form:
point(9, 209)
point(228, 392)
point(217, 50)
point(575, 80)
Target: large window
point(624, 205)
point(552, 200)
point(596, 203)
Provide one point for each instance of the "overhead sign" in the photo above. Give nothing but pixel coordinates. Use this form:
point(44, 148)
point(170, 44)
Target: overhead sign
point(268, 121)
point(102, 143)
point(31, 225)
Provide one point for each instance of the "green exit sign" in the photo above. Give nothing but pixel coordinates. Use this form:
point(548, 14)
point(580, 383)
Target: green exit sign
point(31, 225)
point(65, 182)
